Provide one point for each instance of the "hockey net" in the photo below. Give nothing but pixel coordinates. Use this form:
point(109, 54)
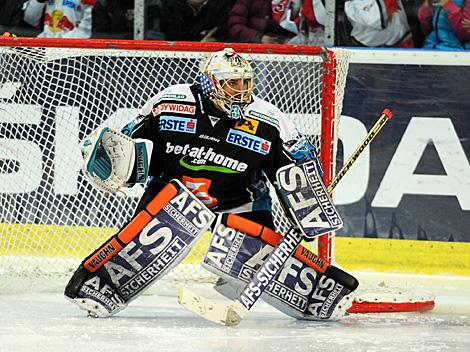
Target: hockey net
point(53, 93)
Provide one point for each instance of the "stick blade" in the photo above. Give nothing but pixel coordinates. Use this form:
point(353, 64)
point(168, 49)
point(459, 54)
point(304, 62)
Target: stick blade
point(228, 315)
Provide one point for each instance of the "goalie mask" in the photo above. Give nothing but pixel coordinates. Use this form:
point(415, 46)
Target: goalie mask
point(227, 80)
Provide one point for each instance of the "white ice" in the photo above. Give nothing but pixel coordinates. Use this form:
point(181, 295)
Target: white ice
point(47, 322)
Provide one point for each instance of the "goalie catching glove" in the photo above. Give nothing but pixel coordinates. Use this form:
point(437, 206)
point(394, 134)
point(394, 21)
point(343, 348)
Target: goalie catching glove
point(112, 160)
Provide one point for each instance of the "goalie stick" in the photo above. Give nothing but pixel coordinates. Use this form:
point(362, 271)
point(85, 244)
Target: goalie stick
point(233, 313)
point(386, 115)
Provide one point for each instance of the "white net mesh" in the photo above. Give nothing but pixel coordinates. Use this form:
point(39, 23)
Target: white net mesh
point(51, 98)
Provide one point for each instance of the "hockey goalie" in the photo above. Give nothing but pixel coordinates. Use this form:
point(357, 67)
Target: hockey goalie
point(205, 153)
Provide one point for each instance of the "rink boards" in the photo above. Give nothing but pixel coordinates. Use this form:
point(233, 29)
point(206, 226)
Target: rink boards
point(381, 255)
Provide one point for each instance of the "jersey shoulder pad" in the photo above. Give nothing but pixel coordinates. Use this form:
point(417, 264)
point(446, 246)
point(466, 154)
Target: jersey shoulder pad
point(264, 111)
point(176, 93)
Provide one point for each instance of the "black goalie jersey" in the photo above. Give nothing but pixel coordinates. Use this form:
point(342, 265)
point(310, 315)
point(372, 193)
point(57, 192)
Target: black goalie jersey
point(222, 161)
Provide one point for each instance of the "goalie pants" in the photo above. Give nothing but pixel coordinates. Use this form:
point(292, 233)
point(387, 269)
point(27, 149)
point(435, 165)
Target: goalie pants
point(262, 217)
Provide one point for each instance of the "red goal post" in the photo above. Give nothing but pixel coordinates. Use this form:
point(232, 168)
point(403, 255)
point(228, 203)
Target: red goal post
point(53, 92)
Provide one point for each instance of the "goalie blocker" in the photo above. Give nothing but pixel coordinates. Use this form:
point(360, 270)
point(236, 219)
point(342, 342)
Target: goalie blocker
point(142, 252)
point(305, 198)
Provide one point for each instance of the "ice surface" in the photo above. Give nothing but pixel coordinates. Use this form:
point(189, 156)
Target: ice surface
point(47, 322)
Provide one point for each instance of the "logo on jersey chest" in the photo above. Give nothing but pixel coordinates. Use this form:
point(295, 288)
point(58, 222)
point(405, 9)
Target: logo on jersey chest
point(178, 124)
point(168, 107)
point(200, 158)
point(263, 117)
point(214, 120)
point(173, 96)
point(247, 125)
point(248, 141)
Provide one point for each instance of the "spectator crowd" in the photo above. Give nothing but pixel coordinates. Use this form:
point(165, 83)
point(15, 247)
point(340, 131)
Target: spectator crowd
point(428, 24)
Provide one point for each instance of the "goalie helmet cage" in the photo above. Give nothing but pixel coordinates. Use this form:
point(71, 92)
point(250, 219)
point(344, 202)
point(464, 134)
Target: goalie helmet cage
point(54, 92)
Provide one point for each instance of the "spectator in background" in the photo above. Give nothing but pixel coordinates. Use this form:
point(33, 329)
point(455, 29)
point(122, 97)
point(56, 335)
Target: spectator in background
point(466, 25)
point(304, 18)
point(10, 14)
point(61, 18)
point(378, 23)
point(411, 8)
point(114, 19)
point(445, 27)
point(251, 21)
point(195, 20)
